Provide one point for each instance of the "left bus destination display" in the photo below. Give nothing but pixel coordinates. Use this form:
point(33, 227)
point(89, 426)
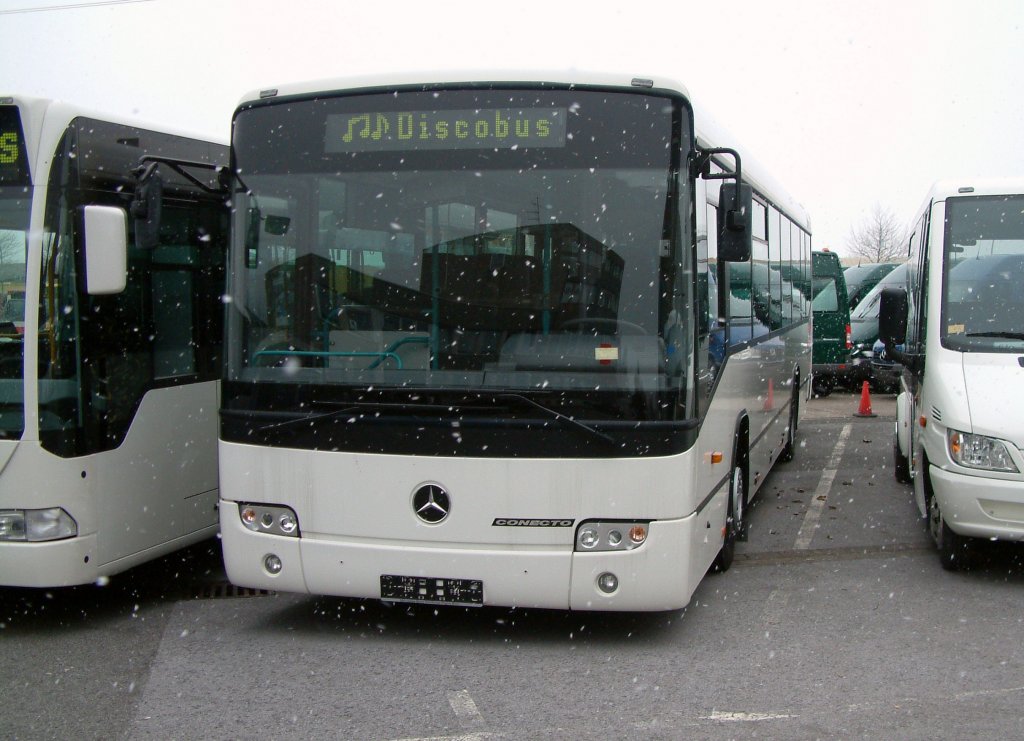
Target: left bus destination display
point(482, 128)
point(13, 160)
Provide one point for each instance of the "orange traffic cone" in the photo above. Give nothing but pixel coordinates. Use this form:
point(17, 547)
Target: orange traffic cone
point(865, 403)
point(769, 402)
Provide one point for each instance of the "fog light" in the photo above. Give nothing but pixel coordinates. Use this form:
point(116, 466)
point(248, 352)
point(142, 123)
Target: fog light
point(607, 582)
point(272, 564)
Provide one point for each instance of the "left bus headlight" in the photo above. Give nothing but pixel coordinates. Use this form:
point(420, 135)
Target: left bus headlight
point(36, 525)
point(272, 519)
point(978, 451)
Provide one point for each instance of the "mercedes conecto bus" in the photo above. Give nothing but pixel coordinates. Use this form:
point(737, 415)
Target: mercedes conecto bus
point(960, 337)
point(110, 339)
point(533, 341)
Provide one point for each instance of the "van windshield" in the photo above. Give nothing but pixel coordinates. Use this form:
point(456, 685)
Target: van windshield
point(983, 270)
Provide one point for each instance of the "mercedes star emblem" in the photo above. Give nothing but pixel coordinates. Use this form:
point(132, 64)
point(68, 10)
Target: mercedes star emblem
point(431, 503)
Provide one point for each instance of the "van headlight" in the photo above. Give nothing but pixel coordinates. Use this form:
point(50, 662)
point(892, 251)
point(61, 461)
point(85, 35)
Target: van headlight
point(36, 525)
point(979, 451)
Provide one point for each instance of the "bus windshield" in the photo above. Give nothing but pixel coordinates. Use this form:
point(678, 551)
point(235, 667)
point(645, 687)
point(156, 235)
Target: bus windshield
point(14, 214)
point(508, 240)
point(983, 308)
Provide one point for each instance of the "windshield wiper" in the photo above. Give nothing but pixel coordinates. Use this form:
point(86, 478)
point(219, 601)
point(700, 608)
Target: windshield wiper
point(558, 416)
point(354, 408)
point(998, 335)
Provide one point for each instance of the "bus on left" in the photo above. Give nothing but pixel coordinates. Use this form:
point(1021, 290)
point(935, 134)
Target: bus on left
point(112, 245)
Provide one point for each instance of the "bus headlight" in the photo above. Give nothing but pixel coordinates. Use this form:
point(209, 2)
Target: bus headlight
point(978, 451)
point(611, 536)
point(36, 525)
point(271, 519)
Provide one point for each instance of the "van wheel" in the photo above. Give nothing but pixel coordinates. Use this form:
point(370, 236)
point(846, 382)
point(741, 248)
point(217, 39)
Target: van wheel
point(901, 465)
point(954, 549)
point(822, 386)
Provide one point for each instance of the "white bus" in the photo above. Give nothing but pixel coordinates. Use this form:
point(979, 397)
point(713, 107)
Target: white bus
point(960, 410)
point(110, 348)
point(475, 351)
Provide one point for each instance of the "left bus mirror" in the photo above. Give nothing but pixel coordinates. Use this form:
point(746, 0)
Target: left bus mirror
point(106, 250)
point(735, 202)
point(892, 317)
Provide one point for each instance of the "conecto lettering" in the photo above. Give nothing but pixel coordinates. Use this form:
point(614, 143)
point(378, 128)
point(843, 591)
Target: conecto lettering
point(528, 522)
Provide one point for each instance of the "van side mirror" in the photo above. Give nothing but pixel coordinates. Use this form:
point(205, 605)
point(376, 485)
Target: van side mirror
point(735, 231)
point(892, 317)
point(106, 250)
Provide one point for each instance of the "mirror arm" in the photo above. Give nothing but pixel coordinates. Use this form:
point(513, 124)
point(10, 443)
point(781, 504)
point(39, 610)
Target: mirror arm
point(148, 163)
point(701, 164)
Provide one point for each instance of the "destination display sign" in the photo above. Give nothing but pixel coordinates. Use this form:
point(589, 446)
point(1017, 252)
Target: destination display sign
point(481, 128)
point(13, 159)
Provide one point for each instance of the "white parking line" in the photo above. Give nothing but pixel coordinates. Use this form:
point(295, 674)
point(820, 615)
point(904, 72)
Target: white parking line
point(810, 523)
point(775, 608)
point(746, 717)
point(465, 709)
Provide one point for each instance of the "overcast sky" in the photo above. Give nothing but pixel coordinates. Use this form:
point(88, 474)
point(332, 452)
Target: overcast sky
point(849, 104)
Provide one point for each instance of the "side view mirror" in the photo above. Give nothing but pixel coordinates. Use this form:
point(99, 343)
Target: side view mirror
point(892, 320)
point(735, 231)
point(106, 250)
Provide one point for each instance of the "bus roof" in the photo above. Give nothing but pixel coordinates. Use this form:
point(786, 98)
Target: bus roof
point(975, 186)
point(709, 132)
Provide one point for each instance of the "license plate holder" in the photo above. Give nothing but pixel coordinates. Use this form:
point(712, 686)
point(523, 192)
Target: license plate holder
point(432, 590)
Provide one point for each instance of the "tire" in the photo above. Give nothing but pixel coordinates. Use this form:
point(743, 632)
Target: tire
point(734, 522)
point(901, 465)
point(822, 386)
point(789, 449)
point(954, 550)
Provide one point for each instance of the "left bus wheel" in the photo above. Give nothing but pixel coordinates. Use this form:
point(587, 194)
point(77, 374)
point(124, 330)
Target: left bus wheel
point(789, 449)
point(733, 523)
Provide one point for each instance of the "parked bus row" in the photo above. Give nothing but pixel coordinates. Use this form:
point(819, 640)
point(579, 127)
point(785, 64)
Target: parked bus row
point(519, 342)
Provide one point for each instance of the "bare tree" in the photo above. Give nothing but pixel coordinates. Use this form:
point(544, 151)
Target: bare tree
point(879, 238)
point(12, 246)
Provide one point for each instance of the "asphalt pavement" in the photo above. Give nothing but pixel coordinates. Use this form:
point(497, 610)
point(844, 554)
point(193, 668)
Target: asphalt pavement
point(835, 621)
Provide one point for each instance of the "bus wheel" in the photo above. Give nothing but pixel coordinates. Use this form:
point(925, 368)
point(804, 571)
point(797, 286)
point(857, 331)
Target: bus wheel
point(788, 449)
point(954, 549)
point(733, 522)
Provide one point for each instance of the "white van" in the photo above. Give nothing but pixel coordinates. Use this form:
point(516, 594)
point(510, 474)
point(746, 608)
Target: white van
point(960, 411)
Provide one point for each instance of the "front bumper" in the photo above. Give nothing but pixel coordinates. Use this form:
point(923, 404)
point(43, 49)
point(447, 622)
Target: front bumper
point(655, 576)
point(56, 563)
point(979, 506)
